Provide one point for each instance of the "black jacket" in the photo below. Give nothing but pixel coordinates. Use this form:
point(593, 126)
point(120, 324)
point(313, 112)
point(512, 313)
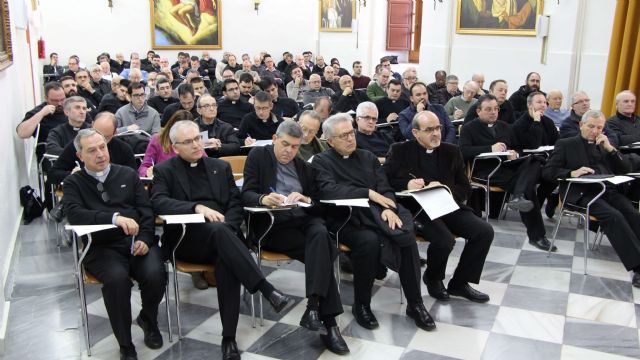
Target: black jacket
point(173, 108)
point(232, 112)
point(61, 136)
point(223, 132)
point(111, 103)
point(519, 99)
point(627, 129)
point(342, 103)
point(531, 134)
point(570, 127)
point(253, 126)
point(505, 114)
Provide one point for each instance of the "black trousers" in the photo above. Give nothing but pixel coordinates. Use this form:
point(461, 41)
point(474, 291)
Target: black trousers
point(216, 243)
point(113, 266)
point(620, 221)
point(306, 239)
point(441, 234)
point(365, 244)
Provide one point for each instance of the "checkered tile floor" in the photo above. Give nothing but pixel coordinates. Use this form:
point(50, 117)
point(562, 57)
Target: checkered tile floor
point(541, 307)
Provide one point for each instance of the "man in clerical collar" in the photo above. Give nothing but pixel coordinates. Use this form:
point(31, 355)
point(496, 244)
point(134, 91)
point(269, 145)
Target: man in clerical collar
point(75, 108)
point(367, 137)
point(232, 109)
point(427, 161)
point(221, 138)
point(190, 183)
point(345, 172)
point(105, 193)
point(260, 124)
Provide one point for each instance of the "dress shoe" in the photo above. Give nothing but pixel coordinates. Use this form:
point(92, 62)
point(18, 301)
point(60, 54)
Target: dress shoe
point(468, 293)
point(364, 316)
point(636, 279)
point(421, 316)
point(152, 336)
point(436, 289)
point(334, 342)
point(230, 350)
point(279, 301)
point(543, 244)
point(345, 263)
point(382, 272)
point(128, 354)
point(311, 320)
point(198, 280)
point(518, 202)
point(423, 262)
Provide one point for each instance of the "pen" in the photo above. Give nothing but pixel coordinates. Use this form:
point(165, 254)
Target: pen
point(272, 189)
point(133, 239)
point(413, 176)
point(78, 165)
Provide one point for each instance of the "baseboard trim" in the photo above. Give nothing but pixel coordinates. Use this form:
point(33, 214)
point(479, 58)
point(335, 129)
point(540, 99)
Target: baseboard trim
point(8, 264)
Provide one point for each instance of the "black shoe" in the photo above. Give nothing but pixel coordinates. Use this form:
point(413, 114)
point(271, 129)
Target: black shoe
point(423, 262)
point(279, 301)
point(199, 282)
point(636, 279)
point(152, 336)
point(518, 202)
point(543, 244)
point(345, 263)
point(230, 350)
point(421, 316)
point(57, 213)
point(128, 354)
point(468, 293)
point(364, 316)
point(311, 320)
point(436, 289)
point(550, 207)
point(334, 342)
point(382, 272)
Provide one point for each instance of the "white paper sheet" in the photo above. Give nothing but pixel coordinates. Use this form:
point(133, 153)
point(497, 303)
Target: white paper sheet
point(240, 182)
point(619, 179)
point(540, 149)
point(205, 135)
point(183, 218)
point(261, 209)
point(495, 153)
point(360, 202)
point(81, 230)
point(436, 202)
point(259, 143)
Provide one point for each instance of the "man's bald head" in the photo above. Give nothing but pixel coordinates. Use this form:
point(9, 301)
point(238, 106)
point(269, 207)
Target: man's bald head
point(105, 123)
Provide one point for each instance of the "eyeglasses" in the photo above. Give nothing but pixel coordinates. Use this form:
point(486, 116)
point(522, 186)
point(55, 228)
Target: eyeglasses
point(137, 95)
point(262, 108)
point(103, 193)
point(208, 106)
point(369, 118)
point(410, 78)
point(189, 142)
point(346, 135)
point(431, 129)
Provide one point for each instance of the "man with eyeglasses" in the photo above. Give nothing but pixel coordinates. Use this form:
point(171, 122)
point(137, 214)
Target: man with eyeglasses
point(377, 88)
point(163, 95)
point(221, 137)
point(137, 115)
point(519, 177)
point(260, 124)
point(231, 108)
point(345, 172)
point(458, 106)
point(105, 193)
point(367, 137)
point(190, 183)
point(450, 91)
point(419, 102)
point(186, 101)
point(409, 77)
point(580, 104)
point(310, 122)
point(282, 106)
point(315, 90)
point(424, 162)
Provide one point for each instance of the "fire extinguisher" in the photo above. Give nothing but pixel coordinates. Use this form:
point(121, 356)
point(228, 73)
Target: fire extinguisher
point(41, 51)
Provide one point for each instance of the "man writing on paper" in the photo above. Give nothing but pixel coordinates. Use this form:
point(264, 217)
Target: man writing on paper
point(592, 153)
point(274, 176)
point(345, 172)
point(105, 193)
point(426, 161)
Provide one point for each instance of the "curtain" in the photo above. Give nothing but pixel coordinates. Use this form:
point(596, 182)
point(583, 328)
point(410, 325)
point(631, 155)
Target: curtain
point(623, 68)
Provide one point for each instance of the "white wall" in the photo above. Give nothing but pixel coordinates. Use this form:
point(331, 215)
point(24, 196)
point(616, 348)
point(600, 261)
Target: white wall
point(280, 25)
point(512, 57)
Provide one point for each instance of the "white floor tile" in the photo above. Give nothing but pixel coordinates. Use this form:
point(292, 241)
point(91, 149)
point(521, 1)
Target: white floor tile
point(529, 324)
point(601, 268)
point(576, 353)
point(540, 277)
point(363, 349)
point(451, 340)
point(601, 310)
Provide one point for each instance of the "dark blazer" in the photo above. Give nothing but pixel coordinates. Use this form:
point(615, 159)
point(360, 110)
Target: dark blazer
point(531, 134)
point(403, 159)
point(171, 194)
point(570, 154)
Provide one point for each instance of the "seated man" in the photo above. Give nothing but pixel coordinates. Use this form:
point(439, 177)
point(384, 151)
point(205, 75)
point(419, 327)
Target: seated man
point(274, 176)
point(186, 101)
point(377, 88)
point(555, 111)
point(232, 109)
point(420, 102)
point(330, 80)
point(367, 137)
point(458, 106)
point(260, 124)
point(497, 88)
point(519, 98)
point(315, 90)
point(247, 87)
point(440, 83)
point(310, 145)
point(119, 152)
point(117, 98)
point(137, 115)
point(360, 81)
point(221, 138)
point(86, 90)
point(163, 95)
point(391, 105)
point(426, 161)
point(347, 99)
point(105, 193)
point(580, 104)
point(344, 172)
point(75, 108)
point(297, 86)
point(409, 77)
point(487, 134)
point(190, 183)
point(450, 90)
point(282, 106)
point(625, 123)
point(590, 152)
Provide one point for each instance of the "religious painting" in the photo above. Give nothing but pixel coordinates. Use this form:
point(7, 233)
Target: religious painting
point(498, 17)
point(6, 53)
point(337, 15)
point(185, 24)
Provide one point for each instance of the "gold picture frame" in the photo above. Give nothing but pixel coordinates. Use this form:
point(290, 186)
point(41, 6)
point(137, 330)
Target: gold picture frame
point(194, 24)
point(505, 17)
point(333, 17)
point(6, 51)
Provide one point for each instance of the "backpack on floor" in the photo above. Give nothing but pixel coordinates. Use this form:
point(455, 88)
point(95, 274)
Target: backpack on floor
point(32, 204)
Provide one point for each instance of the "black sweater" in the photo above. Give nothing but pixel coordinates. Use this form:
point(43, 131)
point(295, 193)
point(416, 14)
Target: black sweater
point(159, 103)
point(61, 136)
point(253, 126)
point(232, 112)
point(531, 134)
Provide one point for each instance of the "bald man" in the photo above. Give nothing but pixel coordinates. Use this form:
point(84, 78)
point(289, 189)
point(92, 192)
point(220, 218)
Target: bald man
point(555, 111)
point(625, 123)
point(347, 99)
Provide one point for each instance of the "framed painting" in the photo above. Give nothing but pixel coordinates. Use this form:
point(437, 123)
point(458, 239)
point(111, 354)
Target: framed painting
point(498, 17)
point(185, 24)
point(337, 15)
point(6, 52)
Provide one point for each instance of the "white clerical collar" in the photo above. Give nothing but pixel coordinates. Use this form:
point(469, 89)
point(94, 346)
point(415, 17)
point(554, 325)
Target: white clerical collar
point(490, 125)
point(194, 164)
point(429, 151)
